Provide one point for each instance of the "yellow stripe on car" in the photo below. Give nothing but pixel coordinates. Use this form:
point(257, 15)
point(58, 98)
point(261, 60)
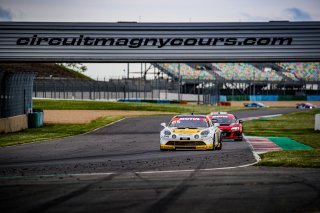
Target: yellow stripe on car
point(186, 131)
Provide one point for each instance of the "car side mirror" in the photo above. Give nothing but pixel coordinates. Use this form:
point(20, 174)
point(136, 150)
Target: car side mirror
point(216, 124)
point(163, 125)
point(240, 121)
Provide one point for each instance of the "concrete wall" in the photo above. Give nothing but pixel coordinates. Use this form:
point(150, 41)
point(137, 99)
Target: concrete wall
point(13, 124)
point(185, 97)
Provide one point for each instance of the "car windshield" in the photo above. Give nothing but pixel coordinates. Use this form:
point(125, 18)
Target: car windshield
point(223, 120)
point(181, 123)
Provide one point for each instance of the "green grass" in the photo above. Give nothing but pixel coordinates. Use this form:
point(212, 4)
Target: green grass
point(300, 127)
point(292, 158)
point(103, 105)
point(52, 131)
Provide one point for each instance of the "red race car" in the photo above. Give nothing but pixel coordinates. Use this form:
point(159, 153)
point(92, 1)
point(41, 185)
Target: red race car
point(230, 126)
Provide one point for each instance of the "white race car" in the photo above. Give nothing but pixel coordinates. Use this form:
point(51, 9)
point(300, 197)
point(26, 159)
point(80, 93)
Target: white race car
point(190, 132)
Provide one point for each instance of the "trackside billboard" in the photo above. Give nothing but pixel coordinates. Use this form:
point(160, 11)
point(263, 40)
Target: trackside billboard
point(159, 42)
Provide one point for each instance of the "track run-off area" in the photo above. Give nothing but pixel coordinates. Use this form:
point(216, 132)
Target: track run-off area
point(119, 168)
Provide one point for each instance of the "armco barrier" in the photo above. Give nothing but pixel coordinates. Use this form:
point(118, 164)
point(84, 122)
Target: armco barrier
point(238, 98)
point(163, 102)
point(223, 98)
point(153, 101)
point(129, 100)
point(269, 98)
point(291, 98)
point(263, 97)
point(313, 98)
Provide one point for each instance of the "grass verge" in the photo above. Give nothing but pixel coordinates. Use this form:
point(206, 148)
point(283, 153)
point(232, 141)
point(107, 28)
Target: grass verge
point(300, 127)
point(102, 105)
point(52, 131)
point(292, 158)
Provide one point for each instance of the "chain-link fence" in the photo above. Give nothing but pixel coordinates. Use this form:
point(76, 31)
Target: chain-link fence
point(15, 93)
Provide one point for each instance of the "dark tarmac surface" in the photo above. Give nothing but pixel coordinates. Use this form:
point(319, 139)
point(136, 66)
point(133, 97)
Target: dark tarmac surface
point(104, 171)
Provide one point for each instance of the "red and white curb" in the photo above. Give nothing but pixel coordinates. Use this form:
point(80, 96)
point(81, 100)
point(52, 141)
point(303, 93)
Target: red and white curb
point(262, 145)
point(259, 117)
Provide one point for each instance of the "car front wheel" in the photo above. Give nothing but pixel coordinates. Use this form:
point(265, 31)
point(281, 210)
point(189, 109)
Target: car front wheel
point(219, 145)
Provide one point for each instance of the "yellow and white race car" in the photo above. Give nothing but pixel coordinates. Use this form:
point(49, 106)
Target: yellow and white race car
point(190, 132)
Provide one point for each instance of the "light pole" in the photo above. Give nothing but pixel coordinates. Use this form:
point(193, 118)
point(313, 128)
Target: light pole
point(128, 71)
point(179, 82)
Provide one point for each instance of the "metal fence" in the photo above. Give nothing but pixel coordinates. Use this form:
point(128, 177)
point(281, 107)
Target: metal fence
point(15, 93)
point(164, 89)
point(115, 89)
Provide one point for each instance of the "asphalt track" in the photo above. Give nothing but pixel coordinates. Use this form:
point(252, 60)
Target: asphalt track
point(119, 168)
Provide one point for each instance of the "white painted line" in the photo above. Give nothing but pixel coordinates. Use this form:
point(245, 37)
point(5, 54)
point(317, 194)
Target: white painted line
point(193, 170)
point(255, 154)
point(101, 127)
point(41, 141)
point(259, 117)
point(114, 173)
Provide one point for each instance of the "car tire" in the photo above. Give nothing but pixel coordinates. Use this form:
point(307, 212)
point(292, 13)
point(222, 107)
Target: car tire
point(167, 149)
point(219, 146)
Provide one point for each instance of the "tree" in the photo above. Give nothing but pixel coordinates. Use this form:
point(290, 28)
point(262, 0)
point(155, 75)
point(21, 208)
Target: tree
point(79, 67)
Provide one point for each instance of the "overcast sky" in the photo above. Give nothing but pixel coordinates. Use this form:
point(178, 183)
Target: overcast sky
point(156, 11)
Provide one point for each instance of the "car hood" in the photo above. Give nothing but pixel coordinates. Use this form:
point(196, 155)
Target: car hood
point(224, 127)
point(228, 127)
point(186, 130)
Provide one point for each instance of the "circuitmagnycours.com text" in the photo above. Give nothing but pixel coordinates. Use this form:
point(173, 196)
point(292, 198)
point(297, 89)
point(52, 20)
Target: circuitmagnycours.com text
point(82, 40)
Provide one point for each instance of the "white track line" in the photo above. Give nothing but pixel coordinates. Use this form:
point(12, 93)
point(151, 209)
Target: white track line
point(41, 141)
point(255, 154)
point(193, 170)
point(115, 173)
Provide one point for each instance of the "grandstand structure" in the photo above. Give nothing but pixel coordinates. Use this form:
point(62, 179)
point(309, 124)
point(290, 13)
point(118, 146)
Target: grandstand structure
point(296, 79)
point(301, 71)
point(184, 72)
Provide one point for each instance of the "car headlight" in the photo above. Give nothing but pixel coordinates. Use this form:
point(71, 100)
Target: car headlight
point(235, 128)
point(167, 132)
point(174, 136)
point(196, 137)
point(205, 133)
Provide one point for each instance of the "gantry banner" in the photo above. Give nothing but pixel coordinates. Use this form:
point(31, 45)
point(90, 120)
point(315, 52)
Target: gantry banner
point(159, 42)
